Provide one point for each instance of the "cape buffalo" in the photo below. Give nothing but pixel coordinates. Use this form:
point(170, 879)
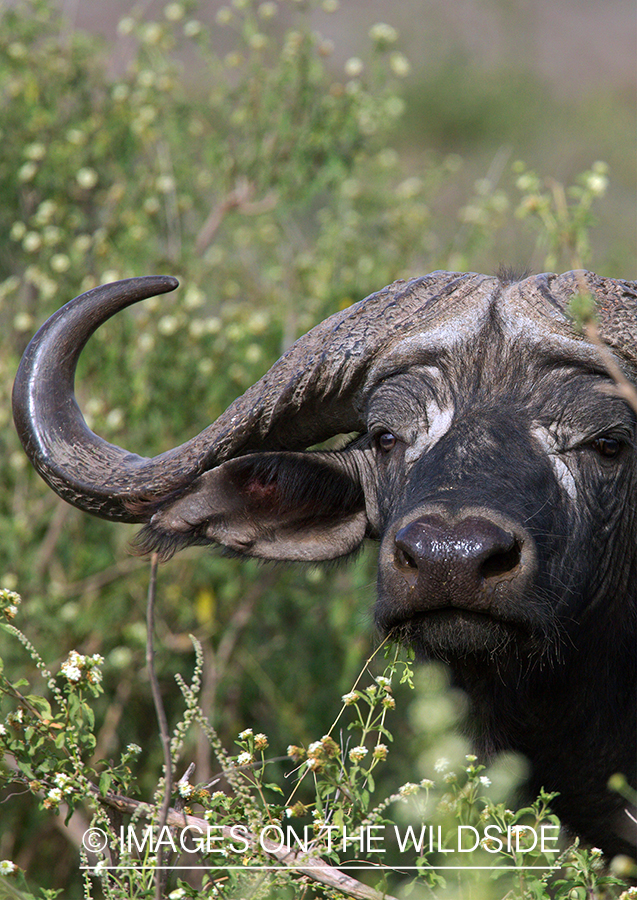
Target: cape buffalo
point(495, 463)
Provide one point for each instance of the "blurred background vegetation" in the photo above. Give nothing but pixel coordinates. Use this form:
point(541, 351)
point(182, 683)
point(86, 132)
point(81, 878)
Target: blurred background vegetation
point(283, 159)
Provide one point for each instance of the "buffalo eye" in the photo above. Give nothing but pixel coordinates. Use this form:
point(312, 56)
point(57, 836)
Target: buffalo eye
point(386, 442)
point(607, 447)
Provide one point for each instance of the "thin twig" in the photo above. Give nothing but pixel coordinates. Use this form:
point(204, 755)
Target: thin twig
point(159, 709)
point(623, 387)
point(312, 867)
point(240, 198)
point(94, 583)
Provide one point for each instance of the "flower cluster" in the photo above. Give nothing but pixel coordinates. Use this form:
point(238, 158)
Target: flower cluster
point(295, 753)
point(321, 752)
point(356, 754)
point(9, 602)
point(251, 744)
point(80, 670)
point(186, 790)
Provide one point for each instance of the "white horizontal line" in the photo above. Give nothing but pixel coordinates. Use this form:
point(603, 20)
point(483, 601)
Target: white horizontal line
point(368, 868)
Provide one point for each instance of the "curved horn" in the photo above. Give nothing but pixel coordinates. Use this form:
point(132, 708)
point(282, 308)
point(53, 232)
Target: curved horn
point(312, 393)
point(82, 468)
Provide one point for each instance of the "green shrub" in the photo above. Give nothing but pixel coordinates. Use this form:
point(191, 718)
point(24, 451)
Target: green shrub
point(265, 176)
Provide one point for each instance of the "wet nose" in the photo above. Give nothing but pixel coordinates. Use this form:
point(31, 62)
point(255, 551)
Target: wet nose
point(456, 562)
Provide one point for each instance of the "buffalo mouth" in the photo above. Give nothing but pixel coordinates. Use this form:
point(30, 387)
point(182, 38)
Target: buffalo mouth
point(449, 633)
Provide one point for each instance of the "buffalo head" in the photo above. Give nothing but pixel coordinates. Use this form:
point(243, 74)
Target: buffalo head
point(495, 464)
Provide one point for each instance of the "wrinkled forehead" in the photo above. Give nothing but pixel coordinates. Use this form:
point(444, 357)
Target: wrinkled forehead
point(452, 328)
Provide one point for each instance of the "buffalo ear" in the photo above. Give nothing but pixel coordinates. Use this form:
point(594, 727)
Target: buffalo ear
point(288, 506)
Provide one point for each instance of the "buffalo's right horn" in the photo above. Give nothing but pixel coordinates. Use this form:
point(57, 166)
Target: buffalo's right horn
point(309, 395)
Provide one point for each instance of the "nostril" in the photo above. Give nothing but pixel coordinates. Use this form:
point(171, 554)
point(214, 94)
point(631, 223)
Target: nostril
point(502, 562)
point(404, 559)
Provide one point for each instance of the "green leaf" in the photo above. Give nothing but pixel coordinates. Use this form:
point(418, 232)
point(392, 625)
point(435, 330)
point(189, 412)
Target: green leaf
point(273, 787)
point(106, 779)
point(41, 704)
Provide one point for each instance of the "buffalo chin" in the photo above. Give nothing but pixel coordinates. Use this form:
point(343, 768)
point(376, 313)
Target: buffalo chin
point(451, 634)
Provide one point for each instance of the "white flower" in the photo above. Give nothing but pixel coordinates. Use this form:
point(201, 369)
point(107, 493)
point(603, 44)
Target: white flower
point(267, 10)
point(82, 243)
point(95, 676)
point(485, 780)
point(244, 735)
point(133, 749)
point(350, 698)
point(18, 231)
point(77, 659)
point(353, 67)
point(86, 178)
point(45, 212)
point(126, 25)
point(597, 183)
point(152, 33)
point(35, 151)
point(177, 895)
point(407, 789)
point(32, 241)
point(174, 12)
point(60, 262)
point(168, 325)
point(357, 753)
point(72, 667)
point(258, 41)
point(244, 759)
point(192, 28)
point(72, 674)
point(27, 171)
point(381, 33)
point(7, 867)
point(3, 730)
point(441, 765)
point(185, 789)
point(120, 93)
point(55, 795)
point(224, 16)
point(399, 65)
point(165, 184)
point(409, 188)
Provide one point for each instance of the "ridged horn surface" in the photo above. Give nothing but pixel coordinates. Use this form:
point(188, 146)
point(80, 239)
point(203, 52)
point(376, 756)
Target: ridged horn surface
point(316, 390)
